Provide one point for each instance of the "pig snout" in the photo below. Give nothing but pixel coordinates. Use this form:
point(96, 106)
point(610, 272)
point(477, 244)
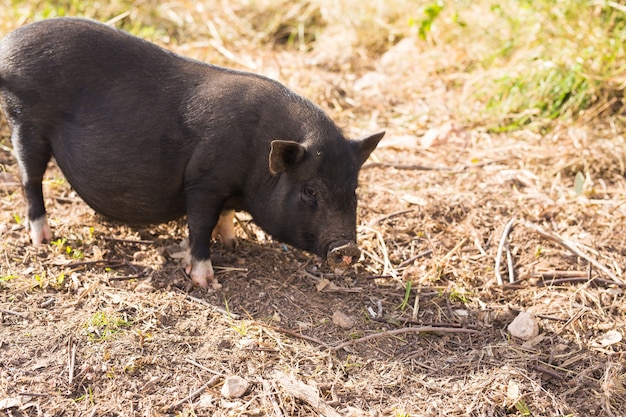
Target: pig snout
point(340, 257)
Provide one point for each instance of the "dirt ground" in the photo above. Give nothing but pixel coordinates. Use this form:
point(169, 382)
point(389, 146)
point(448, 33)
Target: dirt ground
point(104, 322)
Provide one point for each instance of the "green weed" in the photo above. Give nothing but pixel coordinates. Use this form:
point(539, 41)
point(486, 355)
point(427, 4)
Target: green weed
point(101, 325)
point(242, 328)
point(407, 295)
point(63, 247)
point(458, 295)
point(522, 408)
point(430, 12)
point(87, 396)
point(7, 278)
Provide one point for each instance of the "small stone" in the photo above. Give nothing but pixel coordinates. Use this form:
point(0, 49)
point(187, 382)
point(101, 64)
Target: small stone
point(144, 288)
point(322, 284)
point(524, 326)
point(609, 338)
point(234, 387)
point(342, 320)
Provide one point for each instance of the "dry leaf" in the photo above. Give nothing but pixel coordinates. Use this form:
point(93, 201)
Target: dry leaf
point(415, 200)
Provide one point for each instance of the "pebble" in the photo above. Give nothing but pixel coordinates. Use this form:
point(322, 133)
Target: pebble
point(342, 320)
point(524, 326)
point(234, 387)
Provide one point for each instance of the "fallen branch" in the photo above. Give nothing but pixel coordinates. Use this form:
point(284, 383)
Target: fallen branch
point(503, 239)
point(572, 247)
point(401, 331)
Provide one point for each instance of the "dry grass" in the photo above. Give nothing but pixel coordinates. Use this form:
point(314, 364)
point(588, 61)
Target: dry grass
point(104, 322)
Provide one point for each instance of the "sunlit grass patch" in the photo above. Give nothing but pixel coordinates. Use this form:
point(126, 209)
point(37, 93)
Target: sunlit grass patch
point(529, 64)
point(558, 62)
point(540, 94)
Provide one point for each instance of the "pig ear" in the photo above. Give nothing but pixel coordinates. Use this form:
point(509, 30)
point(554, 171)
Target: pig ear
point(365, 146)
point(284, 155)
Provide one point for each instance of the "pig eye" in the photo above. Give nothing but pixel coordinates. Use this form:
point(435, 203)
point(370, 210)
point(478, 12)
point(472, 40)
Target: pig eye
point(308, 196)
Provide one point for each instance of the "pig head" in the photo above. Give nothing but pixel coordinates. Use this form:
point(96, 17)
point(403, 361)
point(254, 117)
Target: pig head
point(313, 195)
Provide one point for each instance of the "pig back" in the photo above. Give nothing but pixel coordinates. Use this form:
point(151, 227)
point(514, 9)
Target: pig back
point(109, 104)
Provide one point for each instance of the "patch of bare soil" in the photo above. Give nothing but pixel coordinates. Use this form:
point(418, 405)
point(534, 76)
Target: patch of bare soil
point(105, 322)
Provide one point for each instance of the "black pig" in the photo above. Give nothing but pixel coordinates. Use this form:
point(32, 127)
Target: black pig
point(145, 135)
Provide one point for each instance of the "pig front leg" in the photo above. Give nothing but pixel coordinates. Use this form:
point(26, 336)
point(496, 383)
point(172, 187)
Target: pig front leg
point(202, 217)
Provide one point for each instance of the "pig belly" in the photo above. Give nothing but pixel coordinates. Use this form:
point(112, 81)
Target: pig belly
point(111, 192)
point(124, 180)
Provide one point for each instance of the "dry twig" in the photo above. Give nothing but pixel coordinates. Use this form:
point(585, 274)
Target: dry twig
point(503, 239)
point(387, 266)
point(572, 247)
point(213, 381)
point(390, 216)
point(415, 167)
point(269, 394)
point(412, 259)
point(13, 313)
point(71, 360)
point(204, 368)
point(298, 335)
point(401, 331)
point(131, 241)
point(211, 306)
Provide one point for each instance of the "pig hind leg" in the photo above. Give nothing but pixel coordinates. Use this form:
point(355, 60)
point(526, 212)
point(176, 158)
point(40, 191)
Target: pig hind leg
point(224, 229)
point(33, 154)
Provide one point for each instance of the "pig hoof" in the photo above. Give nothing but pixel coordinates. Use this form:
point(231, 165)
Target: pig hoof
point(202, 274)
point(343, 256)
point(40, 231)
point(229, 243)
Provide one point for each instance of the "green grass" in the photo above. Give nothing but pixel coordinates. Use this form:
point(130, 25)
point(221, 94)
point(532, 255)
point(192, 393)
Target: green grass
point(563, 61)
point(530, 64)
